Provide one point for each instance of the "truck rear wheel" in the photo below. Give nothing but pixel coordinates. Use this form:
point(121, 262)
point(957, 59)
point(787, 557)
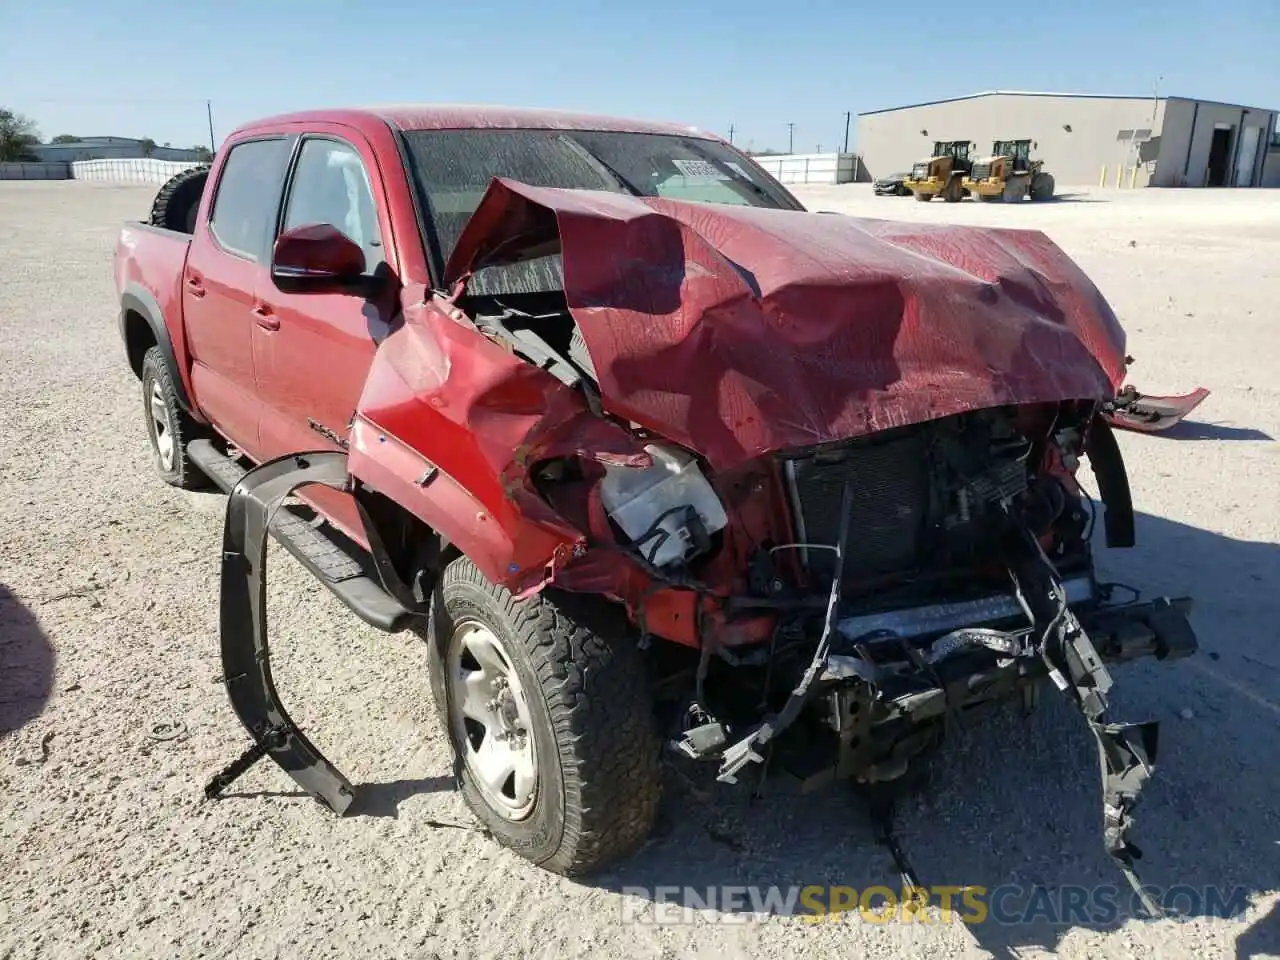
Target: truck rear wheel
point(178, 201)
point(548, 712)
point(169, 427)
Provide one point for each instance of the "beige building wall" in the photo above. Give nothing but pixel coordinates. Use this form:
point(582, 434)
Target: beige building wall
point(890, 141)
point(1086, 140)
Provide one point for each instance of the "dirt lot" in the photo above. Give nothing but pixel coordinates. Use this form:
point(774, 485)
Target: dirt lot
point(108, 620)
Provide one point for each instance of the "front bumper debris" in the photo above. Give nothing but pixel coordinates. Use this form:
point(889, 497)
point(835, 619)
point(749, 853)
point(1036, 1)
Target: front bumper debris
point(1131, 410)
point(886, 699)
point(885, 696)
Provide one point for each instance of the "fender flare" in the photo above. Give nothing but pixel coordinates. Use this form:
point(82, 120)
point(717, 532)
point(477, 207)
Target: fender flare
point(137, 299)
point(1105, 458)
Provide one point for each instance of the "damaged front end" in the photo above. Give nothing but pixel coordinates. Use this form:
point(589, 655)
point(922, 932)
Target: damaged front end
point(828, 467)
point(935, 568)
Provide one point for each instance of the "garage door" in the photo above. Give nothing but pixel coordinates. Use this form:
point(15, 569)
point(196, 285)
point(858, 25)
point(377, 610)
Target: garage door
point(1249, 140)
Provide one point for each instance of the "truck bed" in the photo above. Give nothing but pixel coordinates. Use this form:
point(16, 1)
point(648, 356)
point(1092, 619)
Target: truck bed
point(153, 258)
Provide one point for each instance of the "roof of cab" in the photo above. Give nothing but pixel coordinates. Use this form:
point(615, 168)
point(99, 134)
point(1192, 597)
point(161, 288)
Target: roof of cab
point(452, 116)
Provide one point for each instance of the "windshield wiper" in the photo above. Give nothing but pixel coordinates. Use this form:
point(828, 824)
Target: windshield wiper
point(625, 185)
point(737, 177)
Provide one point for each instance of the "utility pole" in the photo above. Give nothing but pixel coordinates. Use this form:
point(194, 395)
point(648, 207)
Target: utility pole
point(731, 131)
point(791, 138)
point(208, 109)
point(848, 115)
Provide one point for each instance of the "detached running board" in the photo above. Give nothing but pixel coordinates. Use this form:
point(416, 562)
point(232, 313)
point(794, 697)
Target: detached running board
point(254, 508)
point(333, 558)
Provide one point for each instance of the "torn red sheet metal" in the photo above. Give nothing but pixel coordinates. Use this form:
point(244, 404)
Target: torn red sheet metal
point(446, 425)
point(739, 331)
point(1144, 413)
point(735, 332)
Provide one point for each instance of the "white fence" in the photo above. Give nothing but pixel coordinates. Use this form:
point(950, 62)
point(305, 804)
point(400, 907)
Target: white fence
point(135, 170)
point(811, 167)
point(138, 170)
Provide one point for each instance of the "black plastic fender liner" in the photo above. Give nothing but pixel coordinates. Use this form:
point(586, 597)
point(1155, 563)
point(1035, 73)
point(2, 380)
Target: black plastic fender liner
point(246, 656)
point(1113, 483)
point(137, 300)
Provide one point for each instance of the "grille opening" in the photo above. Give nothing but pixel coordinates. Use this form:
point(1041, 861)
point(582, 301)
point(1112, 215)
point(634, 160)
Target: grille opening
point(890, 482)
point(926, 501)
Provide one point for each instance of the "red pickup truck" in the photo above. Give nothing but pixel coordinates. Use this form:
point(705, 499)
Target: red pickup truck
point(656, 459)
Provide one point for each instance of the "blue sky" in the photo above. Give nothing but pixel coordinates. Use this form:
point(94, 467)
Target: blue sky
point(142, 68)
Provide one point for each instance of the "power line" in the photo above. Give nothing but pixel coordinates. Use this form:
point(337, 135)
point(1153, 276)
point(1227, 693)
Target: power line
point(103, 101)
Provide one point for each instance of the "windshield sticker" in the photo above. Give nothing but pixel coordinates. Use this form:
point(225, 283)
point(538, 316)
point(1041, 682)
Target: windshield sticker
point(701, 169)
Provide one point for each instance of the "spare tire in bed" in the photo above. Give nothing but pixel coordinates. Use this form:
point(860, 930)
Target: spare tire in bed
point(178, 201)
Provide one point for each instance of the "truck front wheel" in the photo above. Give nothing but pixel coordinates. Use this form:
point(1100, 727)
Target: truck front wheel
point(169, 427)
point(547, 709)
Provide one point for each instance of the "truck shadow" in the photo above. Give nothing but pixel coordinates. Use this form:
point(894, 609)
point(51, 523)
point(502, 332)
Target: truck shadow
point(1013, 804)
point(371, 799)
point(1195, 430)
point(26, 664)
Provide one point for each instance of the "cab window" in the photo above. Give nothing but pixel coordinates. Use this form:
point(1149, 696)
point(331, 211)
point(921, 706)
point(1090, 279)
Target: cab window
point(249, 195)
point(331, 185)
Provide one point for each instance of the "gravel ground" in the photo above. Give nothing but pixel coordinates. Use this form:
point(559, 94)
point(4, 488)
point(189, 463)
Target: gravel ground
point(108, 624)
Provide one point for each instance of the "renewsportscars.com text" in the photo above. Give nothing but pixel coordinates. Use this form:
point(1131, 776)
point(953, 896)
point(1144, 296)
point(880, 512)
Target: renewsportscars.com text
point(1007, 905)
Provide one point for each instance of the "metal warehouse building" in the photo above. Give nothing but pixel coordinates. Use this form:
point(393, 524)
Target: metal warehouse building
point(1084, 139)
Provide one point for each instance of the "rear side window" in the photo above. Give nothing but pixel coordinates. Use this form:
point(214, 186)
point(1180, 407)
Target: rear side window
point(244, 210)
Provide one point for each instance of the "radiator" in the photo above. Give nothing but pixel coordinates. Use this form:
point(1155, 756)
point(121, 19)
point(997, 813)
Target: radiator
point(890, 486)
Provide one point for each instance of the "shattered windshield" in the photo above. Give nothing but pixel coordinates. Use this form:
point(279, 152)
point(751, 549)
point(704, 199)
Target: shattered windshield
point(451, 169)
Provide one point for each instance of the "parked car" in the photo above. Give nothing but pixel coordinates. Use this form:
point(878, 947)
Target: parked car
point(894, 185)
point(653, 458)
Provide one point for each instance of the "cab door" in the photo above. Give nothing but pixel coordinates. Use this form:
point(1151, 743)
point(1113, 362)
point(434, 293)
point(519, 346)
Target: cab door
point(225, 266)
point(312, 349)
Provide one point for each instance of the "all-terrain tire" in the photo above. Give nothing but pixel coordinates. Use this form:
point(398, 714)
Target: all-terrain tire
point(178, 201)
point(923, 197)
point(1015, 188)
point(597, 752)
point(953, 192)
point(1042, 187)
point(158, 392)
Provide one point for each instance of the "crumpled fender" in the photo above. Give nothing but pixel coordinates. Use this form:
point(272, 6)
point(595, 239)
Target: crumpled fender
point(485, 415)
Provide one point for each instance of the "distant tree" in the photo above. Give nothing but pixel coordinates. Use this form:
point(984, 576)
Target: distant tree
point(148, 146)
point(18, 134)
point(203, 154)
point(65, 138)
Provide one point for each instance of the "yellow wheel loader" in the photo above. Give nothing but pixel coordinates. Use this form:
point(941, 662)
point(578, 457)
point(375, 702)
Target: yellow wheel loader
point(941, 175)
point(1009, 174)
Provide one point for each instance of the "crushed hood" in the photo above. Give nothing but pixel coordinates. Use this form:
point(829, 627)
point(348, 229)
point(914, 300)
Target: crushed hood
point(739, 331)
